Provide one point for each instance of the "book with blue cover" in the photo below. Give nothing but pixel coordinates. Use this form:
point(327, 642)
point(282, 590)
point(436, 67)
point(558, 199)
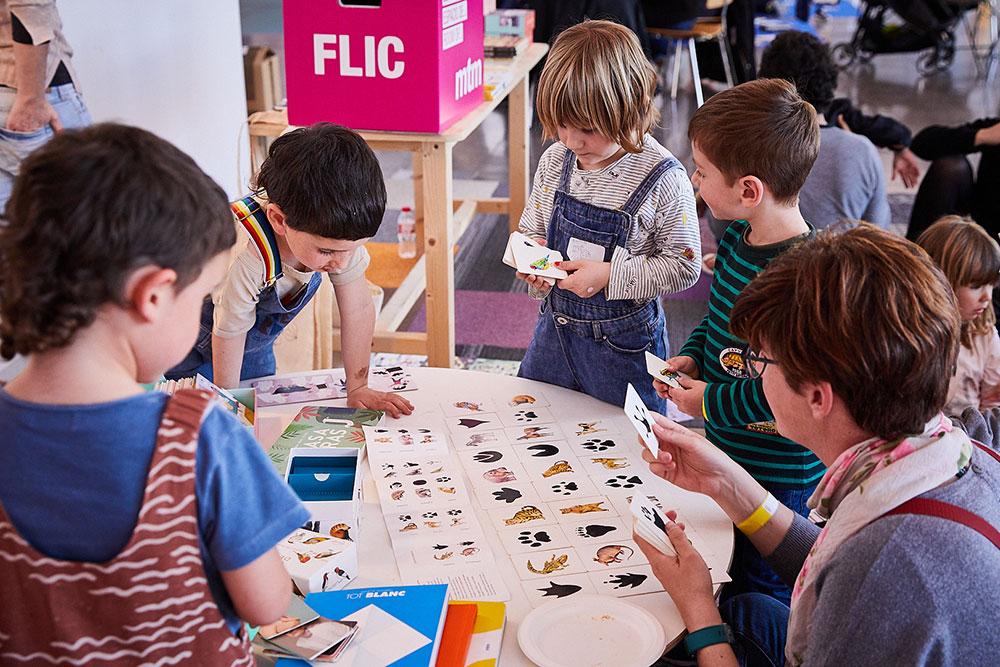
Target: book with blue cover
point(398, 626)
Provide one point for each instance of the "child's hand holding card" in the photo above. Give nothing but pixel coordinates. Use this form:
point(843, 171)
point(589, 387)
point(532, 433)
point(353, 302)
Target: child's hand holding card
point(641, 419)
point(531, 258)
point(658, 369)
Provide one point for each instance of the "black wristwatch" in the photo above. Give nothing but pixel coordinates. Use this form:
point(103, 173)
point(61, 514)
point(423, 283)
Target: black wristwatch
point(713, 634)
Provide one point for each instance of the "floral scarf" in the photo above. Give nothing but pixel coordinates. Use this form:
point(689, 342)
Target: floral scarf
point(865, 482)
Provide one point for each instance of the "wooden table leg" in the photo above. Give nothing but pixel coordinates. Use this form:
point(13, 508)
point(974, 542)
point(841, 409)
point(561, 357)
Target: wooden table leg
point(438, 243)
point(418, 186)
point(518, 114)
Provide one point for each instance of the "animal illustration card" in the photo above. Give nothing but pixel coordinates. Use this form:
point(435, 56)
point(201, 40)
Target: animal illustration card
point(598, 530)
point(623, 582)
point(528, 256)
point(547, 563)
point(590, 427)
point(563, 487)
point(300, 388)
point(607, 555)
point(658, 369)
point(506, 495)
point(473, 423)
point(341, 531)
point(418, 484)
point(493, 467)
point(478, 440)
point(598, 466)
point(463, 406)
point(544, 451)
point(391, 379)
point(540, 591)
point(526, 515)
point(603, 445)
point(552, 467)
point(526, 539)
point(535, 399)
point(392, 442)
point(641, 418)
point(525, 415)
point(536, 433)
point(454, 520)
point(623, 502)
point(574, 509)
point(438, 552)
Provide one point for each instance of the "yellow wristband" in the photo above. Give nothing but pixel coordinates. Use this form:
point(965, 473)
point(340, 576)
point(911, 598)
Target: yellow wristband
point(760, 516)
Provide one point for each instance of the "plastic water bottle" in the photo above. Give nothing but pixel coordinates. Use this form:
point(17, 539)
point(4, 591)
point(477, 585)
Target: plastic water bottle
point(406, 233)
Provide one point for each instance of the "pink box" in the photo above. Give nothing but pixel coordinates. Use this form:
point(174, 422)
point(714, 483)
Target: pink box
point(404, 65)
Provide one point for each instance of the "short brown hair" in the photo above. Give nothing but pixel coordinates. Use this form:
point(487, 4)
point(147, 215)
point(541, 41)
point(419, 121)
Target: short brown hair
point(865, 310)
point(760, 128)
point(968, 255)
point(596, 76)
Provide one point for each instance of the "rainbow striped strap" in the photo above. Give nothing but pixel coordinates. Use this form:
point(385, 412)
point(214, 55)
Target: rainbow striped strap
point(251, 215)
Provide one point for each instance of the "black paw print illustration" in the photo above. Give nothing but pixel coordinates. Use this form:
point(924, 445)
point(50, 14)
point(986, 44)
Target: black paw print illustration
point(429, 515)
point(533, 540)
point(525, 416)
point(453, 513)
point(594, 530)
point(565, 488)
point(409, 464)
point(419, 482)
point(624, 482)
point(388, 466)
point(507, 494)
point(626, 580)
point(405, 517)
point(442, 480)
point(599, 445)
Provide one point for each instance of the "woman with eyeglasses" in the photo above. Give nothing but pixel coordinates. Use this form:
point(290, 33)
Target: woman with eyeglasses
point(854, 335)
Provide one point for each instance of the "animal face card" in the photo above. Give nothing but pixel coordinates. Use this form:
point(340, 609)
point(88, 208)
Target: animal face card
point(607, 555)
point(533, 399)
point(528, 539)
point(478, 440)
point(641, 419)
point(603, 445)
point(525, 415)
point(597, 531)
point(300, 388)
point(475, 423)
point(547, 563)
point(453, 520)
point(540, 591)
point(464, 406)
point(526, 516)
point(622, 582)
point(565, 487)
point(535, 433)
point(574, 509)
point(390, 379)
point(506, 495)
point(393, 442)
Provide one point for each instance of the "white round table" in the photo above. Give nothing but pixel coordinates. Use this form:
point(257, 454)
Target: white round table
point(377, 565)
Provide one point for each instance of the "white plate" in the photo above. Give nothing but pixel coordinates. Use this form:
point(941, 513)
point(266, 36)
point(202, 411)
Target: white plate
point(591, 631)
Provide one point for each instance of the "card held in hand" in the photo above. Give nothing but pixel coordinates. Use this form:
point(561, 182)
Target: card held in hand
point(658, 369)
point(528, 256)
point(641, 419)
point(650, 524)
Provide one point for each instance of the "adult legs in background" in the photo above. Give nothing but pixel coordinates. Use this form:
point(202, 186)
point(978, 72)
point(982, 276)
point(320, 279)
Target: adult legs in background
point(945, 189)
point(760, 626)
point(802, 10)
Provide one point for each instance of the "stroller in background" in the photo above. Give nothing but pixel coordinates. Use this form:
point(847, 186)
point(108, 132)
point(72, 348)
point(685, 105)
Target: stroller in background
point(925, 25)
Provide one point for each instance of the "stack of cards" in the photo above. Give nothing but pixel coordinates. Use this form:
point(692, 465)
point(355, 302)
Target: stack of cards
point(304, 634)
point(528, 256)
point(650, 524)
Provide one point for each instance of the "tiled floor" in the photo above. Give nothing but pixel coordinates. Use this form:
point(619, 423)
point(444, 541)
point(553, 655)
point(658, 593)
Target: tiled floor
point(889, 85)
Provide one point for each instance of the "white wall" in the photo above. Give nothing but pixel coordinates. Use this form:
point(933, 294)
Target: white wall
point(174, 67)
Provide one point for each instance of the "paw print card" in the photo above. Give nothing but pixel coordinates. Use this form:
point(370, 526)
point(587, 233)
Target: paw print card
point(528, 451)
point(540, 591)
point(601, 444)
point(506, 494)
point(528, 539)
point(584, 534)
point(525, 415)
point(622, 582)
point(565, 487)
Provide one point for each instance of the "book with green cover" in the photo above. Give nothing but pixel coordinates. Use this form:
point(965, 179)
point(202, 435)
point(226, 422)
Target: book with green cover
point(323, 426)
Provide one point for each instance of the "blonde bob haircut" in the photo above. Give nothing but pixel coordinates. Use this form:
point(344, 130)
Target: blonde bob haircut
point(969, 256)
point(597, 77)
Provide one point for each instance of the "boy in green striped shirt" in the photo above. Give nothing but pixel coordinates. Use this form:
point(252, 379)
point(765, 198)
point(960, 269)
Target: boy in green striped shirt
point(753, 148)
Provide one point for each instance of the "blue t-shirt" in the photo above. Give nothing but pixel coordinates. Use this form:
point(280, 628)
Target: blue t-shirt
point(72, 479)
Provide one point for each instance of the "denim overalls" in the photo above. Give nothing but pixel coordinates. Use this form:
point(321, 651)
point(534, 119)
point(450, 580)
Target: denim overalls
point(272, 315)
point(596, 345)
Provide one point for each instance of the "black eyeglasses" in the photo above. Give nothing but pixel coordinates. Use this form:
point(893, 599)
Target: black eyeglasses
point(755, 363)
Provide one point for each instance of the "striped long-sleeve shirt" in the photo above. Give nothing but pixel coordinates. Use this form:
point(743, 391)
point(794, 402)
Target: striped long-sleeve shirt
point(663, 252)
point(738, 418)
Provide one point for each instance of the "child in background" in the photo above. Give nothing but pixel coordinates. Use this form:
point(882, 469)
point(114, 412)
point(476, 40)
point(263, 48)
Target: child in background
point(320, 196)
point(144, 521)
point(970, 259)
point(753, 147)
point(617, 205)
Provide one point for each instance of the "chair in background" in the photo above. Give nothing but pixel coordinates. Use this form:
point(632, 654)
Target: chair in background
point(705, 29)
